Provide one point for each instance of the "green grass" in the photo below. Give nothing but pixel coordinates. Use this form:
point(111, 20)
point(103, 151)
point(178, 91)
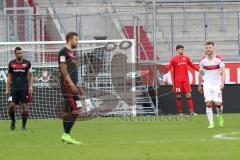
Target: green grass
point(113, 138)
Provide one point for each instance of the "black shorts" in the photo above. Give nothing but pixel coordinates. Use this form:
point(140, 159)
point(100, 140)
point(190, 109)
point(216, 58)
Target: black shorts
point(18, 95)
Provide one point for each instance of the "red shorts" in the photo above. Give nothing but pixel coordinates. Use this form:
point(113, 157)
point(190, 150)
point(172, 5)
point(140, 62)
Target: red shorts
point(182, 87)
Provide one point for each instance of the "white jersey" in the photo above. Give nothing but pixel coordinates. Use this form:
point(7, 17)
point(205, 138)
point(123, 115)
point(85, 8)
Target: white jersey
point(211, 70)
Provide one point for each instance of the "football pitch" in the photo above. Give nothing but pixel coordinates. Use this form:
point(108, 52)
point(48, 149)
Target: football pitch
point(141, 138)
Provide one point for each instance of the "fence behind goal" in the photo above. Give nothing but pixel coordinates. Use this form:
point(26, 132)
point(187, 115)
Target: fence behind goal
point(106, 70)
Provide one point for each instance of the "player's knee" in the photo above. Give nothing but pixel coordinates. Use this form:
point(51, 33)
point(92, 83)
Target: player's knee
point(25, 111)
point(208, 104)
point(66, 115)
point(188, 96)
point(178, 96)
point(24, 107)
point(218, 104)
point(11, 106)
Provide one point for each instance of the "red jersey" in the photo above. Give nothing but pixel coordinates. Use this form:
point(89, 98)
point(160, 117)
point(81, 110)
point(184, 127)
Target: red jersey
point(180, 68)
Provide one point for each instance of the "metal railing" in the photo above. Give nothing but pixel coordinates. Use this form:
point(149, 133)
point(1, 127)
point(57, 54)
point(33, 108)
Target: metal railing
point(58, 18)
point(181, 2)
point(191, 29)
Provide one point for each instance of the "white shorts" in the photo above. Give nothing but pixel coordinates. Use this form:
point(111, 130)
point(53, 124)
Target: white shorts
point(212, 93)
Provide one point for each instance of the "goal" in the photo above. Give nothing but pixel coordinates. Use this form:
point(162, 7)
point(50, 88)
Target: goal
point(105, 71)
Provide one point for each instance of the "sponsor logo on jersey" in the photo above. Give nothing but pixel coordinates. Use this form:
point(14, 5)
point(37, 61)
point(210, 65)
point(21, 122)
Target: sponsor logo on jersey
point(213, 67)
point(181, 63)
point(71, 55)
point(19, 70)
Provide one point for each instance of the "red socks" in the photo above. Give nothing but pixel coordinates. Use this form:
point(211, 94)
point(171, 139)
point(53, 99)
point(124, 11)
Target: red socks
point(190, 104)
point(179, 106)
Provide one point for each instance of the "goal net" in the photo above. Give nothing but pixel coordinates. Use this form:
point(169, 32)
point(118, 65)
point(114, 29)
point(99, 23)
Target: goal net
point(106, 72)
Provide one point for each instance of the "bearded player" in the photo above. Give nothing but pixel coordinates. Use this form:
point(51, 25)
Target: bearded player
point(19, 87)
point(69, 79)
point(212, 72)
point(181, 85)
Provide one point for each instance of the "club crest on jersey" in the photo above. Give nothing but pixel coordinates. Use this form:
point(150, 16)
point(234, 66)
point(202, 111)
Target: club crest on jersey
point(24, 65)
point(71, 55)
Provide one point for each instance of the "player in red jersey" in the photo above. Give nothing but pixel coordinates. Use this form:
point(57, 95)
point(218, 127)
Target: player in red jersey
point(179, 63)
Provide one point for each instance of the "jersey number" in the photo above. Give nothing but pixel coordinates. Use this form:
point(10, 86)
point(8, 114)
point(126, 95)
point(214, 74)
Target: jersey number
point(178, 90)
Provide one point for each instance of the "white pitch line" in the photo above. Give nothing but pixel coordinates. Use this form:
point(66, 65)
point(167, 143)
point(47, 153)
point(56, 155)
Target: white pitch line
point(60, 144)
point(226, 136)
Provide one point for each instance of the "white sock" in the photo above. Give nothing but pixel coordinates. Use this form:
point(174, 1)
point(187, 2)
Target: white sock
point(209, 112)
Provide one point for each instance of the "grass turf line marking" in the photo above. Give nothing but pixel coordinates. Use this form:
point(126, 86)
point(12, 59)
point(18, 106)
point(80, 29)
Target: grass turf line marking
point(60, 144)
point(225, 136)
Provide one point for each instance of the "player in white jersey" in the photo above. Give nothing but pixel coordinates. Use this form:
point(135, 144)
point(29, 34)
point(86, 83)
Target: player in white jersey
point(212, 73)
